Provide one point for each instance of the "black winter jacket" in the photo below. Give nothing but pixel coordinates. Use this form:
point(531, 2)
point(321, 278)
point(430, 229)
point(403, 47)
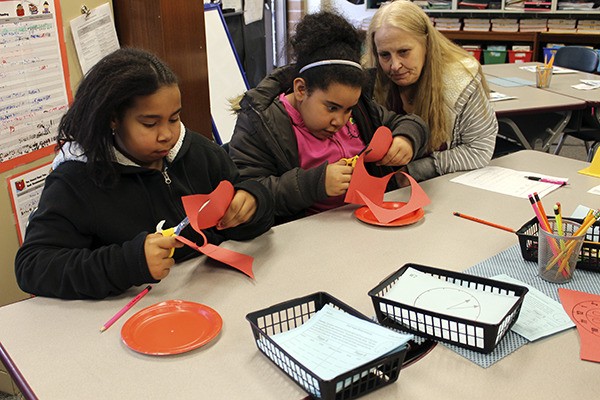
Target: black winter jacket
point(264, 146)
point(88, 242)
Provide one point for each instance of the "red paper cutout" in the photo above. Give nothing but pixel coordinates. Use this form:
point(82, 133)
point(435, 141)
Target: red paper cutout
point(213, 211)
point(584, 311)
point(239, 261)
point(205, 211)
point(418, 199)
point(371, 186)
point(379, 145)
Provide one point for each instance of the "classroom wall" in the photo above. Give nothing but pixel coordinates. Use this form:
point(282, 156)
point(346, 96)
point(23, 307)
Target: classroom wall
point(9, 291)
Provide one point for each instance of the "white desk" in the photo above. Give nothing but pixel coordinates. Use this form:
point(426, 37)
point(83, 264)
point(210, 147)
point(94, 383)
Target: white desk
point(57, 347)
point(560, 83)
point(530, 101)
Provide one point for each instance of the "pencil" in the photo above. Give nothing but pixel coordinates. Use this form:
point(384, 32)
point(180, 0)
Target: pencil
point(125, 309)
point(481, 221)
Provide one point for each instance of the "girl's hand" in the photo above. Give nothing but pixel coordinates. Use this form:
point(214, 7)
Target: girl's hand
point(241, 209)
point(337, 178)
point(399, 153)
point(157, 249)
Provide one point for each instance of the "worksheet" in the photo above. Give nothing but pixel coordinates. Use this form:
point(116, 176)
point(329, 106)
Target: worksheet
point(332, 342)
point(540, 316)
point(418, 289)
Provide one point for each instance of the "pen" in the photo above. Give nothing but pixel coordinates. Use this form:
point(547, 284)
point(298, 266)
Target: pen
point(125, 309)
point(547, 180)
point(481, 221)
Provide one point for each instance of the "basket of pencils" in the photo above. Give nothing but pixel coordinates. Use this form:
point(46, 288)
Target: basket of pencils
point(589, 257)
point(282, 318)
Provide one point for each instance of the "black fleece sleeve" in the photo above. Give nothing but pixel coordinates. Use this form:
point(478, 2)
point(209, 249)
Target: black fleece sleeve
point(58, 258)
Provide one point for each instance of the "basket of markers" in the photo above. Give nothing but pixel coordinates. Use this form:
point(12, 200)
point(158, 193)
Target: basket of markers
point(589, 256)
point(528, 234)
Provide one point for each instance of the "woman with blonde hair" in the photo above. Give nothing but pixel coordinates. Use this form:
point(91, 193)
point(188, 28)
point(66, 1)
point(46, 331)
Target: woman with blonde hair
point(420, 71)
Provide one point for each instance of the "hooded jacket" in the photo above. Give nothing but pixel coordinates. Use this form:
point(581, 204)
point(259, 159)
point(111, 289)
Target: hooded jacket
point(85, 241)
point(264, 147)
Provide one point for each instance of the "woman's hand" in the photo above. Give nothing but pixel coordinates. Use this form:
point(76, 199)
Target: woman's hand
point(337, 178)
point(241, 209)
point(400, 153)
point(157, 249)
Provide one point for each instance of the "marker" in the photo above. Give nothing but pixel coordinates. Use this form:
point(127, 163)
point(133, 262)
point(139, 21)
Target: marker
point(125, 309)
point(482, 221)
point(546, 180)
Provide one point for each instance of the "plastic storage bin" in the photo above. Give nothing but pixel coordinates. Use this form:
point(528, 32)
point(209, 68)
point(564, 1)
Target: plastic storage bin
point(494, 56)
point(549, 52)
point(589, 257)
point(293, 313)
point(474, 335)
point(519, 56)
point(475, 52)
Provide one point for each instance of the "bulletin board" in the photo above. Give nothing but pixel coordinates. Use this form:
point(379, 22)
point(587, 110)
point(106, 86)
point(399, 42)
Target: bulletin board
point(226, 77)
point(34, 90)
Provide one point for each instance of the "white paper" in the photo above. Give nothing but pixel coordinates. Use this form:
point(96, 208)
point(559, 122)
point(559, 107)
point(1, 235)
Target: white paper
point(497, 96)
point(583, 86)
point(25, 191)
point(508, 181)
point(595, 190)
point(332, 342)
point(427, 292)
point(555, 69)
point(253, 11)
point(540, 315)
point(94, 36)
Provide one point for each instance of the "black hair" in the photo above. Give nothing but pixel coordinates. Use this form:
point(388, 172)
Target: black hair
point(106, 92)
point(327, 36)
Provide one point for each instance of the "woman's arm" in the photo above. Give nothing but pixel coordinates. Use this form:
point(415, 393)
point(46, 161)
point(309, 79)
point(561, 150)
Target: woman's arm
point(473, 142)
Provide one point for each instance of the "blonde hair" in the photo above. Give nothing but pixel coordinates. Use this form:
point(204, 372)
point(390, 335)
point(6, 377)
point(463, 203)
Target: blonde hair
point(439, 53)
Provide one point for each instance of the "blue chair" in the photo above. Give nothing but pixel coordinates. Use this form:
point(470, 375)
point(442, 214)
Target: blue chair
point(586, 60)
point(576, 57)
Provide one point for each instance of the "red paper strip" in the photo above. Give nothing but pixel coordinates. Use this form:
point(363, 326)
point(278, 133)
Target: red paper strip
point(418, 199)
point(239, 261)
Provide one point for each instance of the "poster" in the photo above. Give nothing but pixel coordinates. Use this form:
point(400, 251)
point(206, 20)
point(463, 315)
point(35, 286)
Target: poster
point(33, 80)
point(25, 190)
point(94, 35)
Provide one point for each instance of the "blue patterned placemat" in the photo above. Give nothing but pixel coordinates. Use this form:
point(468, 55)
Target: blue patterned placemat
point(511, 262)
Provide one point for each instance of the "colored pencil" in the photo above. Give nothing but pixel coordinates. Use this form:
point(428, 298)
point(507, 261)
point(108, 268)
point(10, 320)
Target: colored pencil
point(482, 221)
point(125, 309)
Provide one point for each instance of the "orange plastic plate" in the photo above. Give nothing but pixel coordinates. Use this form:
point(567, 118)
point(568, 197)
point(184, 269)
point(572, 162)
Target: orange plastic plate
point(365, 215)
point(171, 327)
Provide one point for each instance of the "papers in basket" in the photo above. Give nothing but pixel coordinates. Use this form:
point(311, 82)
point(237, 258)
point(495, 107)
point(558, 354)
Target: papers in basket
point(332, 342)
point(424, 291)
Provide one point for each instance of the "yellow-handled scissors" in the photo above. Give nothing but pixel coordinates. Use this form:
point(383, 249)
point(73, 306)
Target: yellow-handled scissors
point(351, 161)
point(172, 231)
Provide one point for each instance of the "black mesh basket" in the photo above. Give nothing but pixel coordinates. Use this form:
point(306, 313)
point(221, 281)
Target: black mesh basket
point(474, 335)
point(293, 313)
point(589, 257)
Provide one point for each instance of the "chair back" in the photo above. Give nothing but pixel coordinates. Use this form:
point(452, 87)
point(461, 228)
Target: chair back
point(576, 57)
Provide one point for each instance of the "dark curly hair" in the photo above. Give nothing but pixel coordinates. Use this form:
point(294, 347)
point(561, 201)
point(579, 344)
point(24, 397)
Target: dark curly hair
point(327, 36)
point(105, 94)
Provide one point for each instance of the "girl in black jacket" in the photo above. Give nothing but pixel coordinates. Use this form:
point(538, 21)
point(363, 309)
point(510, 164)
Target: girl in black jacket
point(295, 129)
point(124, 162)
